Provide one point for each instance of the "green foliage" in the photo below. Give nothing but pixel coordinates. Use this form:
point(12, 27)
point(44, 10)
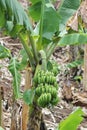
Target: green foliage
point(75, 63)
point(78, 78)
point(72, 121)
point(50, 22)
point(28, 96)
point(49, 66)
point(4, 52)
point(12, 13)
point(35, 1)
point(2, 18)
point(66, 10)
point(9, 25)
point(53, 66)
point(73, 39)
point(31, 51)
point(14, 30)
point(35, 11)
point(24, 60)
point(13, 67)
point(15, 20)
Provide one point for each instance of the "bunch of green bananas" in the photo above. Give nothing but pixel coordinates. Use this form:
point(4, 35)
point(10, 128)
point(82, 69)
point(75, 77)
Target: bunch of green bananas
point(43, 77)
point(46, 88)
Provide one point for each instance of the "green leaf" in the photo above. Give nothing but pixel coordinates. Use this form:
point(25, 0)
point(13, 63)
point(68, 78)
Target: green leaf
point(2, 18)
point(73, 39)
point(35, 11)
point(9, 25)
point(24, 60)
point(13, 68)
point(16, 30)
point(67, 9)
point(4, 52)
point(75, 63)
point(78, 78)
point(1, 128)
point(3, 4)
point(24, 36)
point(35, 1)
point(28, 96)
point(14, 12)
point(72, 121)
point(50, 22)
point(49, 66)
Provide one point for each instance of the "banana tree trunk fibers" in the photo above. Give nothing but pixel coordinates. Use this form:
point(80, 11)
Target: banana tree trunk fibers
point(1, 111)
point(25, 109)
point(14, 125)
point(0, 108)
point(85, 67)
point(36, 121)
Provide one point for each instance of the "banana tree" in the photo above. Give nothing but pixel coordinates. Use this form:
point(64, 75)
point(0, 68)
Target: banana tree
point(16, 23)
point(78, 23)
point(39, 41)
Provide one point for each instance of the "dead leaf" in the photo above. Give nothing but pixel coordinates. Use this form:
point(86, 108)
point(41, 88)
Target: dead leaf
point(73, 22)
point(83, 11)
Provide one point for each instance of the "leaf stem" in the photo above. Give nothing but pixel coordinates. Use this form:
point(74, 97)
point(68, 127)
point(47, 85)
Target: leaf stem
point(51, 50)
point(41, 24)
point(51, 47)
point(35, 53)
point(28, 51)
point(43, 58)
